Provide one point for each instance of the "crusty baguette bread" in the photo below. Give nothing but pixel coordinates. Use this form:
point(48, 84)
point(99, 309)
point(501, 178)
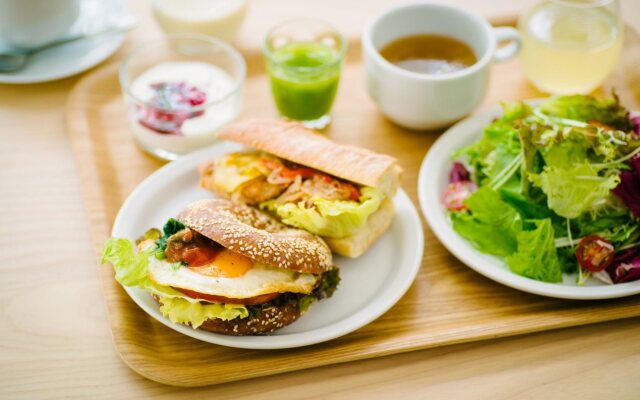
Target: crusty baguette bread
point(353, 246)
point(294, 142)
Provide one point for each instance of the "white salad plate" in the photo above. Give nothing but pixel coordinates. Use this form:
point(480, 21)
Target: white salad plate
point(432, 182)
point(72, 58)
point(370, 285)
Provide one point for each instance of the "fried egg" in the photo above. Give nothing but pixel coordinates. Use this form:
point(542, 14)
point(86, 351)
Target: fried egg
point(230, 276)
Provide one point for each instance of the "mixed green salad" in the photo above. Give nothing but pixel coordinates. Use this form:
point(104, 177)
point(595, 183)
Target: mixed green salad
point(554, 189)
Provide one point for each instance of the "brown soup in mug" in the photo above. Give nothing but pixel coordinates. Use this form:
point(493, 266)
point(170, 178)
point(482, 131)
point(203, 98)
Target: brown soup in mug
point(429, 54)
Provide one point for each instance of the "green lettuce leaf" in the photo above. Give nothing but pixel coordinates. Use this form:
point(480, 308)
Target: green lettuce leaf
point(305, 303)
point(574, 190)
point(526, 208)
point(568, 260)
point(330, 218)
point(588, 224)
point(132, 270)
point(499, 144)
point(569, 151)
point(182, 311)
point(491, 225)
point(588, 108)
point(170, 227)
point(536, 257)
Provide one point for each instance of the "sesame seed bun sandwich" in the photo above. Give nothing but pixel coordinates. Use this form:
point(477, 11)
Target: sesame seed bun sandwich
point(227, 268)
point(341, 193)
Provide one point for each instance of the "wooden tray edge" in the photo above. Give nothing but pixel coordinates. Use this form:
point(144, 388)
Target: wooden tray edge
point(169, 378)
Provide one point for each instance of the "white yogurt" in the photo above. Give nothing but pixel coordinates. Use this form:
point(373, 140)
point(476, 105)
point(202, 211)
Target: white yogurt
point(221, 105)
point(220, 18)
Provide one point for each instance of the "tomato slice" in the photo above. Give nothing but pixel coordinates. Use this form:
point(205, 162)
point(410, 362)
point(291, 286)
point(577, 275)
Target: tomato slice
point(354, 193)
point(456, 193)
point(326, 178)
point(196, 256)
point(288, 172)
point(595, 253)
point(292, 173)
point(220, 299)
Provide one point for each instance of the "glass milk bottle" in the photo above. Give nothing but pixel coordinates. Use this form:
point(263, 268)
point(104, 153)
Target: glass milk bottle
point(570, 46)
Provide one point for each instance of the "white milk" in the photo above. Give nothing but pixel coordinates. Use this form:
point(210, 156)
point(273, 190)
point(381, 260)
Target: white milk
point(220, 18)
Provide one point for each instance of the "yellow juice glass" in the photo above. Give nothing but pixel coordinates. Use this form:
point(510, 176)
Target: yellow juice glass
point(570, 46)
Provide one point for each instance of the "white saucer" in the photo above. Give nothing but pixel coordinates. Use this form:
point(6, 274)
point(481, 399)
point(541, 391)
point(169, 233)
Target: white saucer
point(78, 56)
point(370, 285)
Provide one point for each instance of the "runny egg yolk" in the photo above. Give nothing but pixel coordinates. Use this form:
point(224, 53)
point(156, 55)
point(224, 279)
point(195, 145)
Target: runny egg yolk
point(226, 264)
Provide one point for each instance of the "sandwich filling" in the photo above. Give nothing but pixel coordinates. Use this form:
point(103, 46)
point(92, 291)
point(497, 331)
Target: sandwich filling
point(196, 279)
point(299, 196)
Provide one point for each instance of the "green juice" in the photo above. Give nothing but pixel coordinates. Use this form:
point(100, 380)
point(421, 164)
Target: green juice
point(304, 79)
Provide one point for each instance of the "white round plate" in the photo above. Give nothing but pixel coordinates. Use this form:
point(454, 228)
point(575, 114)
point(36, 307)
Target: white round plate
point(74, 57)
point(370, 285)
point(433, 180)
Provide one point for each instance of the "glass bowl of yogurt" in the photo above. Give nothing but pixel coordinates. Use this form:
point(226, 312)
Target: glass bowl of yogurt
point(180, 90)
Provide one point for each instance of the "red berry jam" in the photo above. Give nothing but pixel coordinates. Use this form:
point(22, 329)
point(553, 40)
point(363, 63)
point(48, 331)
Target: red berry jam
point(170, 106)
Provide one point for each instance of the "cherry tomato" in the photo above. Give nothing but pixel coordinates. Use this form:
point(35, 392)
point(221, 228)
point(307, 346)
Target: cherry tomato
point(195, 255)
point(595, 253)
point(220, 299)
point(456, 193)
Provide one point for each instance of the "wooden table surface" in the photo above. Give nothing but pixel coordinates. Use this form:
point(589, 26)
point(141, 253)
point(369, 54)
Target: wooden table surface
point(54, 336)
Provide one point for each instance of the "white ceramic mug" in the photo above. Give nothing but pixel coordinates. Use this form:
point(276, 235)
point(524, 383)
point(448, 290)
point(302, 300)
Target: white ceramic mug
point(32, 23)
point(429, 101)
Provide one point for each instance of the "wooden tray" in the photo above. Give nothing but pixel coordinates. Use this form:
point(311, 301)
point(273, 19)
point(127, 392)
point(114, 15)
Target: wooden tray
point(448, 303)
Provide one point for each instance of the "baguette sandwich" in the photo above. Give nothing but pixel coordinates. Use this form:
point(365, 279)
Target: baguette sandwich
point(341, 193)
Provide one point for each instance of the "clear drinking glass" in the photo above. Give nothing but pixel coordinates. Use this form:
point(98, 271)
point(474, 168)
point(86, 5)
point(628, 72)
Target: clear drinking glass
point(304, 58)
point(180, 90)
point(570, 46)
point(219, 18)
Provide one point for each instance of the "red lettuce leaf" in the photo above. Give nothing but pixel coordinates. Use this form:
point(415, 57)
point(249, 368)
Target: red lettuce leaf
point(628, 190)
point(459, 173)
point(635, 123)
point(626, 266)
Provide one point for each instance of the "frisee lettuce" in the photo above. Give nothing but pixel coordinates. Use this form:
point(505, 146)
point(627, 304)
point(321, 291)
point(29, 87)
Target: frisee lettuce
point(587, 108)
point(574, 190)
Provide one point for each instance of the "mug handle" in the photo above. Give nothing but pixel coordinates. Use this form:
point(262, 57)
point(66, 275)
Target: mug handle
point(503, 34)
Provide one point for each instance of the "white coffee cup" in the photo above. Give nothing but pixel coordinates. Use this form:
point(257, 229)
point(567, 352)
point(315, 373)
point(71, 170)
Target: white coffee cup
point(32, 23)
point(428, 101)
